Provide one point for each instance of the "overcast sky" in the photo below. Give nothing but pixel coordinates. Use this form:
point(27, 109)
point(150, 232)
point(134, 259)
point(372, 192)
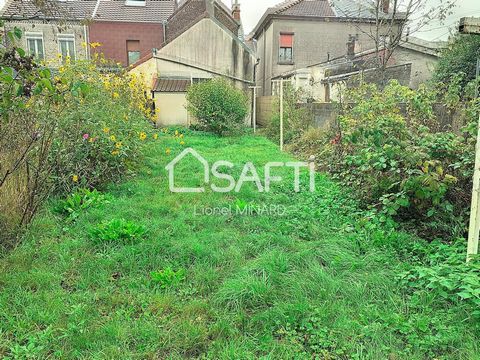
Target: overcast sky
point(252, 11)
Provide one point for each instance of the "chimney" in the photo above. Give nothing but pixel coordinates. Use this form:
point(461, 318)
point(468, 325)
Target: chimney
point(385, 4)
point(351, 47)
point(236, 10)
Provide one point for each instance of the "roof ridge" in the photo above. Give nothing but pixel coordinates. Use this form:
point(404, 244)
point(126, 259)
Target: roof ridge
point(287, 5)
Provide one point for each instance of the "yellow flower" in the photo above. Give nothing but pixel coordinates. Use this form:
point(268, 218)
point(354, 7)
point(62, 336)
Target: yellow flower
point(116, 95)
point(155, 136)
point(168, 151)
point(113, 138)
point(118, 145)
point(182, 142)
point(90, 140)
point(75, 178)
point(176, 132)
point(95, 45)
point(143, 136)
point(106, 130)
point(181, 136)
point(115, 152)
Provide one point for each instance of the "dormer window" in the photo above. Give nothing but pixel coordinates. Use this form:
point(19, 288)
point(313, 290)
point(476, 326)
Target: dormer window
point(135, 2)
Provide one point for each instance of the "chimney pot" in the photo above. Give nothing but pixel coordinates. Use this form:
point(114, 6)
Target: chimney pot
point(236, 10)
point(385, 6)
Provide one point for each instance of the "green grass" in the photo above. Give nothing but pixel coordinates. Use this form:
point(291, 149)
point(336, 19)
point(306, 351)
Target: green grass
point(313, 283)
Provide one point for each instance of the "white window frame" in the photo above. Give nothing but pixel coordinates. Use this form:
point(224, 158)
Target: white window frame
point(67, 37)
point(35, 36)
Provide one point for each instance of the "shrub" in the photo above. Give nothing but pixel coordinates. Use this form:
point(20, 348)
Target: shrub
point(218, 106)
point(395, 160)
point(79, 128)
point(118, 231)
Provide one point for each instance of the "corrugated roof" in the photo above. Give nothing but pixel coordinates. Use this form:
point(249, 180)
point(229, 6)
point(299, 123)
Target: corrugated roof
point(171, 85)
point(51, 9)
point(154, 11)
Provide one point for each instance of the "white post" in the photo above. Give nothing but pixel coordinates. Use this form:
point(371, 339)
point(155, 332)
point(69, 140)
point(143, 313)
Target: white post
point(474, 228)
point(254, 115)
point(281, 115)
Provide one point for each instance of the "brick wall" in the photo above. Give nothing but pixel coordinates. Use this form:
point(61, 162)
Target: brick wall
point(226, 20)
point(188, 14)
point(114, 35)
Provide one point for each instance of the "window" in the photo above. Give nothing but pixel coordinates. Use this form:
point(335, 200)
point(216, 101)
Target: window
point(66, 44)
point(285, 55)
point(35, 45)
point(135, 3)
point(133, 51)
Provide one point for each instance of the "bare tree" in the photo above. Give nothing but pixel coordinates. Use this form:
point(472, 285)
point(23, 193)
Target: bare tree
point(393, 19)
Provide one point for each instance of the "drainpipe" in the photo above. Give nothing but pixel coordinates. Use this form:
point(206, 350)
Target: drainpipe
point(87, 41)
point(264, 62)
point(164, 22)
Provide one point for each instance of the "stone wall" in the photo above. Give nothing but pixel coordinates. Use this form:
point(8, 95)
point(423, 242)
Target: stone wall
point(265, 106)
point(50, 32)
point(325, 114)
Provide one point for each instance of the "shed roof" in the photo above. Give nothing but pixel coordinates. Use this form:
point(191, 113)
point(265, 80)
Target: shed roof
point(171, 85)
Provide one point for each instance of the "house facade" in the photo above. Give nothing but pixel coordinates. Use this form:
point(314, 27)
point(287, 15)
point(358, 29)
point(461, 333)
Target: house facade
point(126, 30)
point(129, 30)
point(423, 55)
point(187, 58)
point(298, 33)
point(59, 30)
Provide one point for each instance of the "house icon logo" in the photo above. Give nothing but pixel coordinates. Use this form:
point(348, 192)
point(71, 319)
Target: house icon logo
point(171, 172)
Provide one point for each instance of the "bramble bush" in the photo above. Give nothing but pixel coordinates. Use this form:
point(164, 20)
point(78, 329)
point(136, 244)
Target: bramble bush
point(218, 106)
point(388, 150)
point(75, 127)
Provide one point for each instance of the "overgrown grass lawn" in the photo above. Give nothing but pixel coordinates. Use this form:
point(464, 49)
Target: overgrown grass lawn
point(314, 283)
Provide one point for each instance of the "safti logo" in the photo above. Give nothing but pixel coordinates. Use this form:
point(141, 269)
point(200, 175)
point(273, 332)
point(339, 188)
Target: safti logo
point(249, 174)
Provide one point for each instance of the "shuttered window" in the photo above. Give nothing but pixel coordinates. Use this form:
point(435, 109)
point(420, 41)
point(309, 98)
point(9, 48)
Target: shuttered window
point(285, 54)
point(133, 51)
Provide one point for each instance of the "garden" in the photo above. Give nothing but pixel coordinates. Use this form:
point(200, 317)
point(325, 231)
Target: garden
point(99, 259)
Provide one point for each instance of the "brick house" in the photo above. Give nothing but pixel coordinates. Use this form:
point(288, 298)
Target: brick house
point(130, 30)
point(297, 33)
point(59, 29)
point(187, 57)
point(127, 30)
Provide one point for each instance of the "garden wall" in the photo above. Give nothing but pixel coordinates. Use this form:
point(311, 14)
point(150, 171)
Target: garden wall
point(324, 114)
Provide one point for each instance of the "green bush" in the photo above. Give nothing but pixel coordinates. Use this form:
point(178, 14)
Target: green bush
point(117, 231)
point(388, 151)
point(218, 106)
point(78, 127)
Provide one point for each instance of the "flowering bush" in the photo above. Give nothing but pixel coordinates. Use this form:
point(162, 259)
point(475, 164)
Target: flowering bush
point(78, 127)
